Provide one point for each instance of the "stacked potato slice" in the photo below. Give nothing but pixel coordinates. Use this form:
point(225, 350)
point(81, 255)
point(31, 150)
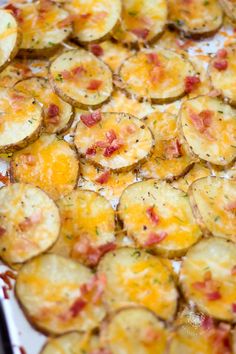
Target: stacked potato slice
point(117, 204)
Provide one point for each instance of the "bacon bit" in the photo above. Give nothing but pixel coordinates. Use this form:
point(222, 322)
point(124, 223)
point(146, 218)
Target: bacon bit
point(4, 179)
point(199, 285)
point(184, 44)
point(141, 32)
point(2, 231)
point(233, 271)
point(115, 146)
point(15, 11)
point(154, 238)
point(153, 59)
point(91, 151)
point(97, 50)
point(28, 159)
point(5, 292)
point(152, 215)
point(66, 75)
point(23, 68)
point(221, 65)
point(77, 307)
point(191, 83)
point(214, 93)
point(214, 296)
point(68, 21)
point(85, 16)
point(6, 280)
point(207, 116)
point(94, 84)
point(53, 110)
point(10, 274)
point(17, 97)
point(30, 221)
point(101, 351)
point(110, 246)
point(208, 287)
point(111, 136)
point(78, 71)
point(96, 286)
point(207, 323)
point(173, 149)
point(234, 308)
point(222, 53)
point(53, 120)
point(202, 122)
point(103, 178)
point(231, 207)
point(91, 119)
point(149, 335)
point(22, 350)
point(131, 128)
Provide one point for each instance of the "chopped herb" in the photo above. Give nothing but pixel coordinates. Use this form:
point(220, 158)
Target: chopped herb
point(217, 218)
point(133, 13)
point(59, 78)
point(30, 121)
point(220, 112)
point(136, 254)
point(51, 43)
point(156, 281)
point(8, 25)
point(206, 3)
point(69, 237)
point(97, 231)
point(179, 22)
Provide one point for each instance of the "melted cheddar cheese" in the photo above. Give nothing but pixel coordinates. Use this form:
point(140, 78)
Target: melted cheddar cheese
point(54, 166)
point(198, 171)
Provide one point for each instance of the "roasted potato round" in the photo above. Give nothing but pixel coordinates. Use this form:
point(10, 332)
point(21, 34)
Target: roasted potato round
point(214, 205)
point(129, 273)
point(71, 296)
point(156, 74)
point(159, 217)
point(58, 114)
point(115, 141)
point(21, 120)
point(141, 21)
point(81, 79)
point(208, 125)
point(208, 278)
point(229, 7)
point(49, 163)
point(30, 222)
point(87, 227)
point(195, 18)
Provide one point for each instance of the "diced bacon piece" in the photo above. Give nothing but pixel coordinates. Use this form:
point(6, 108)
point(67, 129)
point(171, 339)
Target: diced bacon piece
point(153, 59)
point(97, 50)
point(23, 68)
point(141, 32)
point(111, 136)
point(152, 215)
point(149, 335)
point(101, 351)
point(85, 16)
point(99, 16)
point(103, 178)
point(4, 179)
point(197, 121)
point(233, 270)
point(131, 128)
point(5, 292)
point(68, 20)
point(53, 120)
point(202, 122)
point(155, 238)
point(22, 350)
point(66, 75)
point(15, 11)
point(191, 83)
point(222, 53)
point(94, 85)
point(30, 221)
point(6, 280)
point(91, 151)
point(231, 206)
point(91, 119)
point(28, 159)
point(110, 246)
point(214, 93)
point(184, 44)
point(110, 150)
point(77, 71)
point(99, 284)
point(214, 296)
point(173, 149)
point(234, 307)
point(207, 116)
point(2, 231)
point(221, 65)
point(10, 274)
point(207, 323)
point(77, 307)
point(53, 110)
point(199, 285)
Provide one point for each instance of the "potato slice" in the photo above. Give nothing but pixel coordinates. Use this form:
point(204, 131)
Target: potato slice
point(156, 74)
point(81, 79)
point(44, 26)
point(107, 183)
point(170, 158)
point(71, 296)
point(222, 72)
point(229, 7)
point(159, 217)
point(115, 141)
point(208, 278)
point(196, 18)
point(213, 201)
point(136, 330)
point(72, 343)
point(49, 163)
point(142, 21)
point(199, 170)
point(88, 227)
point(21, 120)
point(192, 339)
point(119, 102)
point(93, 19)
point(10, 38)
point(113, 54)
point(209, 127)
point(134, 278)
point(30, 222)
point(58, 115)
point(22, 69)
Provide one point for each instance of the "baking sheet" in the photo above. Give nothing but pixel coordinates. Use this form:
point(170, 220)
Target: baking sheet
point(22, 335)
